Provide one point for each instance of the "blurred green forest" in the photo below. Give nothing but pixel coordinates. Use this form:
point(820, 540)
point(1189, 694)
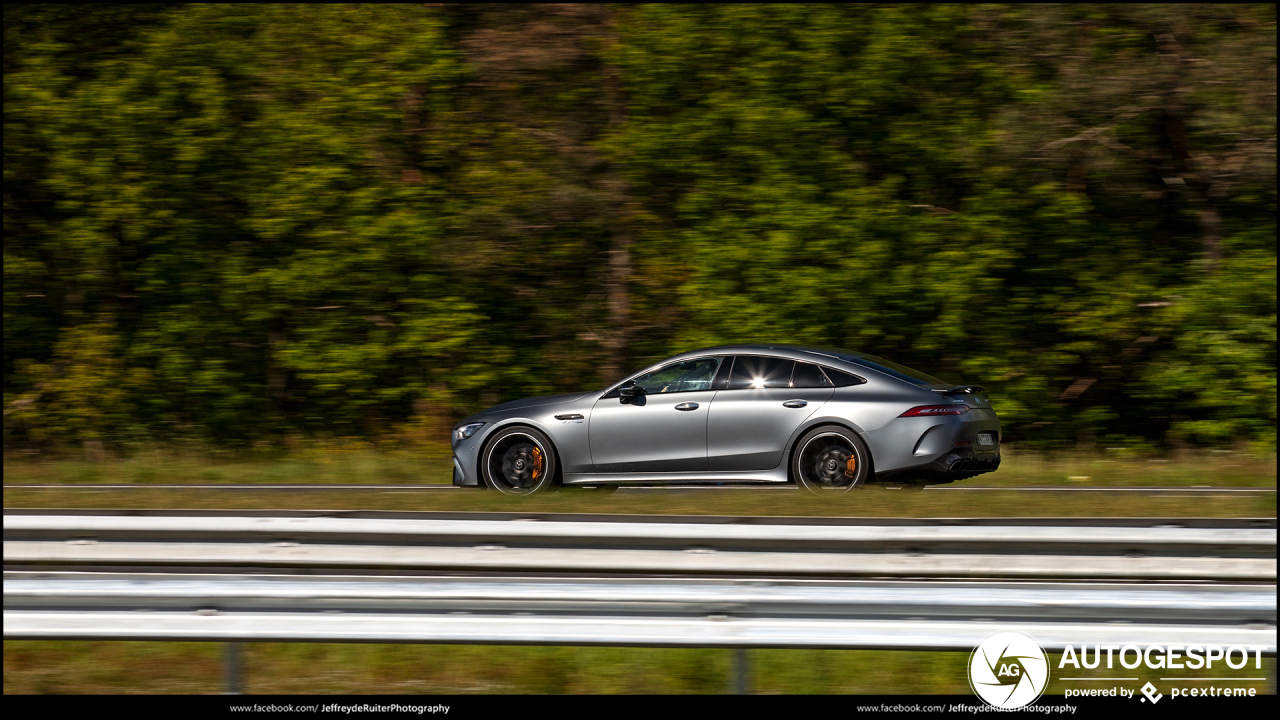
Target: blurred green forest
point(247, 224)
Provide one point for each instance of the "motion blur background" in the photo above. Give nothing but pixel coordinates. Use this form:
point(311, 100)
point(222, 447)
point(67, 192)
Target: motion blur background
point(274, 224)
point(285, 244)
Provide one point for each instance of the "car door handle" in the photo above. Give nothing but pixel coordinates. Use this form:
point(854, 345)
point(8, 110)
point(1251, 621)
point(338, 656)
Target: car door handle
point(794, 403)
point(687, 406)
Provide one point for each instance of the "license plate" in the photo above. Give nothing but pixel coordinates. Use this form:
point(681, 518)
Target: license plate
point(986, 439)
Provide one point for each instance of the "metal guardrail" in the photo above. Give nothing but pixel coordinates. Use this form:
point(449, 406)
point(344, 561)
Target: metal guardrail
point(607, 631)
point(393, 531)
point(1030, 601)
point(661, 612)
point(1232, 523)
point(867, 584)
point(695, 561)
point(1224, 554)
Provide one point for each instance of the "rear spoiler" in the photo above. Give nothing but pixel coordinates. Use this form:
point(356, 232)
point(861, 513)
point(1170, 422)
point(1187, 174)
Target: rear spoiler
point(963, 389)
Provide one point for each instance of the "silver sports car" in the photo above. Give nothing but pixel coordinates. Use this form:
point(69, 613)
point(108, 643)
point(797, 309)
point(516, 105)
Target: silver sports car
point(829, 420)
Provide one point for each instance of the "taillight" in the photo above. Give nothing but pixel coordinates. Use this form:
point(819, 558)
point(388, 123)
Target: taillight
point(928, 410)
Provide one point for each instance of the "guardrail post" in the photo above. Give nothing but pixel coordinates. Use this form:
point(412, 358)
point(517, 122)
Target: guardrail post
point(231, 668)
point(741, 671)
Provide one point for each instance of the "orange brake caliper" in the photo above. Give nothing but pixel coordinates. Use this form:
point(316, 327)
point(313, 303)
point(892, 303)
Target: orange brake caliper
point(851, 467)
point(537, 463)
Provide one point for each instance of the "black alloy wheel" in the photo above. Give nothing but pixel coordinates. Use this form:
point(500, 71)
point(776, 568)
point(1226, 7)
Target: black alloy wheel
point(519, 461)
point(831, 459)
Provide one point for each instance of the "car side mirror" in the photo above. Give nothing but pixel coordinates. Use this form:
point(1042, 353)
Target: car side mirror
point(629, 389)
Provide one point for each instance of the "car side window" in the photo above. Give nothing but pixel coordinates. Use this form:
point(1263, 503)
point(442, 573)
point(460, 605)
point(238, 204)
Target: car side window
point(722, 377)
point(839, 378)
point(808, 375)
point(683, 376)
point(753, 371)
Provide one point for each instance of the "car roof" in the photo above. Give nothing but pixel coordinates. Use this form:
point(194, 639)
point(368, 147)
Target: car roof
point(795, 352)
point(770, 349)
point(845, 360)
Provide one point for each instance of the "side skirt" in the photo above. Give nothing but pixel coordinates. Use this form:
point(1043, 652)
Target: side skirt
point(776, 476)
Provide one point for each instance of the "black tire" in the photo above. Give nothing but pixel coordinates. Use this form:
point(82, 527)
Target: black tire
point(830, 460)
point(519, 461)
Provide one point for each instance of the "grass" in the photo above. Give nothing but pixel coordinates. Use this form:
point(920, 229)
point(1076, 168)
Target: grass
point(62, 667)
point(332, 466)
point(872, 502)
point(1118, 468)
point(360, 465)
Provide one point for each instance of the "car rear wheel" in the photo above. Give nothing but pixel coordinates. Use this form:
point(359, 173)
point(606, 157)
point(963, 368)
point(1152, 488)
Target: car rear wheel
point(831, 460)
point(519, 461)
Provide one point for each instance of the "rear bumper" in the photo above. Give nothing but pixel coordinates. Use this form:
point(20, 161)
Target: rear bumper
point(936, 450)
point(956, 465)
point(939, 450)
point(965, 462)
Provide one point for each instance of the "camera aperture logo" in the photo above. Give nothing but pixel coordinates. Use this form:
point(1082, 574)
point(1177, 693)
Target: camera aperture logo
point(1008, 670)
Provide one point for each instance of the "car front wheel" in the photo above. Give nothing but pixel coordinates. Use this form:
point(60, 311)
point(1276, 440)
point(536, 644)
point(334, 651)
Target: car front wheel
point(519, 461)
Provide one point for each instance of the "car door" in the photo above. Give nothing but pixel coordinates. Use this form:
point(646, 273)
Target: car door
point(767, 398)
point(664, 430)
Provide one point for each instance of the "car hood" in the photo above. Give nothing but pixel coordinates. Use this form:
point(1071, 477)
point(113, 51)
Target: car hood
point(532, 402)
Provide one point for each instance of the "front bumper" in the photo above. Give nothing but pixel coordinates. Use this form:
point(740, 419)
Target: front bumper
point(466, 458)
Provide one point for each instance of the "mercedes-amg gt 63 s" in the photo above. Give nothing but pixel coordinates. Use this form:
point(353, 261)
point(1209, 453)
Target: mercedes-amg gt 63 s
point(828, 420)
